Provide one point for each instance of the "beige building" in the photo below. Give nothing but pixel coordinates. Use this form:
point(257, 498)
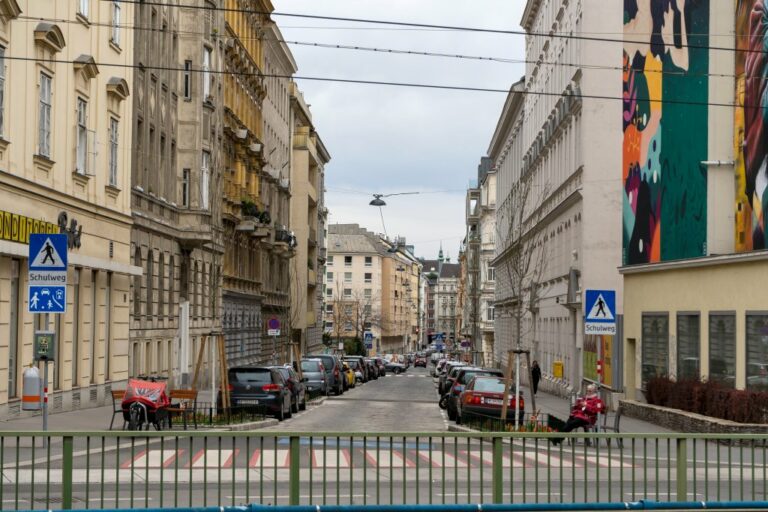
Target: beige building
point(65, 138)
point(401, 272)
point(308, 216)
point(176, 238)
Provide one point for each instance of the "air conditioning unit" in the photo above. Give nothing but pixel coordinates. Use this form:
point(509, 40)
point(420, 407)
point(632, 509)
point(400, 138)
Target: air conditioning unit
point(242, 133)
point(255, 147)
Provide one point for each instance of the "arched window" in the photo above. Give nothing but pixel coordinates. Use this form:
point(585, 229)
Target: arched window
point(150, 284)
point(171, 287)
point(137, 283)
point(161, 287)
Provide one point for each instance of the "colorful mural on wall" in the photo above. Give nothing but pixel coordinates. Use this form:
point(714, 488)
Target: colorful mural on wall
point(665, 129)
point(750, 135)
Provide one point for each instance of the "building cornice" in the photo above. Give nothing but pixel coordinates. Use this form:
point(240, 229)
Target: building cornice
point(705, 261)
point(507, 118)
point(529, 14)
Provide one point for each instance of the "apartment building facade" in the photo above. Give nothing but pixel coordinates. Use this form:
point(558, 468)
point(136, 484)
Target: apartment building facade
point(542, 152)
point(308, 215)
point(65, 134)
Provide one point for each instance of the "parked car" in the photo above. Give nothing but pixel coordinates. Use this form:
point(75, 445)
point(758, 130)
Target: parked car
point(373, 368)
point(357, 368)
point(445, 373)
point(464, 375)
point(360, 366)
point(395, 367)
point(314, 372)
point(332, 365)
point(349, 374)
point(297, 386)
point(420, 361)
point(382, 366)
point(262, 388)
point(483, 397)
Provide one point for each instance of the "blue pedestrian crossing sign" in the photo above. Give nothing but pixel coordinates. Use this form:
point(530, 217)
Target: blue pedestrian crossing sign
point(47, 252)
point(600, 312)
point(368, 338)
point(47, 273)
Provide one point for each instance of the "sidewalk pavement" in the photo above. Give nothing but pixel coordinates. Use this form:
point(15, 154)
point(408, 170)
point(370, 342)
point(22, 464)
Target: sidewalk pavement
point(560, 407)
point(81, 420)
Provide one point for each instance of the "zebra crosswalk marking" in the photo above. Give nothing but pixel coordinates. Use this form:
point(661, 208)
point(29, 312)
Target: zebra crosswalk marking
point(441, 459)
point(153, 459)
point(382, 458)
point(270, 458)
point(213, 458)
point(332, 458)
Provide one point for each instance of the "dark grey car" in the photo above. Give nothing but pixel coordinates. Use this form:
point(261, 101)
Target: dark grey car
point(314, 371)
point(333, 371)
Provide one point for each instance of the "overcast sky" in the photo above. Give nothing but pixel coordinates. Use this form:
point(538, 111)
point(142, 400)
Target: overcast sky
point(389, 139)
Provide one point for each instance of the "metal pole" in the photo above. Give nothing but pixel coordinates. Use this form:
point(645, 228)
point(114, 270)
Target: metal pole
point(517, 389)
point(213, 374)
point(44, 396)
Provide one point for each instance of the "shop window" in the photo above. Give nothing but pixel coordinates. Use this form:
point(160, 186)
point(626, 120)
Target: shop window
point(688, 343)
point(757, 351)
point(655, 346)
point(722, 348)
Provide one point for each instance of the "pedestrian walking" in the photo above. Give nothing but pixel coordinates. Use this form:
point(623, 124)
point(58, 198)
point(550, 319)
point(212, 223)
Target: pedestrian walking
point(584, 412)
point(535, 375)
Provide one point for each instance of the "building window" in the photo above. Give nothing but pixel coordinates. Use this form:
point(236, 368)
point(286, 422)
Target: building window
point(491, 313)
point(94, 310)
point(368, 261)
point(722, 348)
point(367, 293)
point(491, 273)
point(330, 277)
point(83, 8)
point(187, 79)
point(185, 188)
point(367, 309)
point(113, 140)
point(329, 325)
point(206, 72)
point(368, 277)
point(82, 135)
point(347, 277)
point(116, 22)
point(655, 349)
point(150, 285)
point(44, 134)
point(347, 261)
point(204, 179)
point(757, 352)
point(329, 261)
point(347, 292)
point(688, 343)
point(329, 292)
point(329, 309)
point(137, 284)
point(348, 326)
point(2, 91)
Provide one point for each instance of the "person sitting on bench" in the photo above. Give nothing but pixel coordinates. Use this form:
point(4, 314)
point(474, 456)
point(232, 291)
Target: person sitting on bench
point(584, 412)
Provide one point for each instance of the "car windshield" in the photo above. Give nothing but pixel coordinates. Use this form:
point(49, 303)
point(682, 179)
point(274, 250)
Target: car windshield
point(489, 385)
point(352, 364)
point(467, 376)
point(310, 366)
point(250, 376)
point(285, 373)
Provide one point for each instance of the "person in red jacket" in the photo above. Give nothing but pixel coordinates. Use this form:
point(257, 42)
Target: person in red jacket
point(584, 412)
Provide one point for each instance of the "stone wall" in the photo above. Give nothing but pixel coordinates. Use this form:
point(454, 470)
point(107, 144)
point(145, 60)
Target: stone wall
point(689, 422)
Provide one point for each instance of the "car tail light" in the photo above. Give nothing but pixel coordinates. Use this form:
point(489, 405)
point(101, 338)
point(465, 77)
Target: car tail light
point(231, 387)
point(271, 387)
point(470, 398)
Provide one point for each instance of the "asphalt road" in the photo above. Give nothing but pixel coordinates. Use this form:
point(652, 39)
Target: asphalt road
point(188, 471)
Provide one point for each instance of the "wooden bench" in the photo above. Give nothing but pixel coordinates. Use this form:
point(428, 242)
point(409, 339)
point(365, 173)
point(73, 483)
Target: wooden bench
point(117, 406)
point(183, 403)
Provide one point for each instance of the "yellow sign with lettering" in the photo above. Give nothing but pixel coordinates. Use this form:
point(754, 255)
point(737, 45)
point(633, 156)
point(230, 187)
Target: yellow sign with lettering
point(557, 369)
point(17, 228)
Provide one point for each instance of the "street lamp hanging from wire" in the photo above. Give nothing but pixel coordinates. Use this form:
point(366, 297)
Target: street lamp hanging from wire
point(378, 201)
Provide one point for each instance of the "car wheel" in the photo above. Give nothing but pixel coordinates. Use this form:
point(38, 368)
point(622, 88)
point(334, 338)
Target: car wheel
point(289, 412)
point(280, 415)
point(327, 391)
point(295, 405)
point(451, 414)
point(396, 371)
point(303, 405)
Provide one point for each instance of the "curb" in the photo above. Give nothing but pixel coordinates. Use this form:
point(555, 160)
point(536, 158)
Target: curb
point(254, 425)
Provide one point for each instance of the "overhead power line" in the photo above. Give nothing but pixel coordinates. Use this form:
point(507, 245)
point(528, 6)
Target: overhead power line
point(561, 35)
point(416, 85)
point(392, 51)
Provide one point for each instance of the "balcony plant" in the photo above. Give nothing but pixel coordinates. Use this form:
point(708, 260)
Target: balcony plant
point(249, 209)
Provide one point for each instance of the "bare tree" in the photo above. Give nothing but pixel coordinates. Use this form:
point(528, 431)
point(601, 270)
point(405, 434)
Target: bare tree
point(523, 264)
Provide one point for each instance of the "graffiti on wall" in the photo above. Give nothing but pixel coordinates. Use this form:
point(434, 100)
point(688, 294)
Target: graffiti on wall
point(665, 129)
point(750, 135)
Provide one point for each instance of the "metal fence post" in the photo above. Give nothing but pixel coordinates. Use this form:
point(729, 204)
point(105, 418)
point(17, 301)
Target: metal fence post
point(66, 473)
point(497, 477)
point(294, 479)
point(682, 469)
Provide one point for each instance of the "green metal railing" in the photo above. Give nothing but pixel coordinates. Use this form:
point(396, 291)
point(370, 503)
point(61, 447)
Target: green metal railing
point(178, 469)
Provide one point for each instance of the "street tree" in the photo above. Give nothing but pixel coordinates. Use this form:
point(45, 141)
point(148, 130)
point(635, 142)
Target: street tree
point(522, 261)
